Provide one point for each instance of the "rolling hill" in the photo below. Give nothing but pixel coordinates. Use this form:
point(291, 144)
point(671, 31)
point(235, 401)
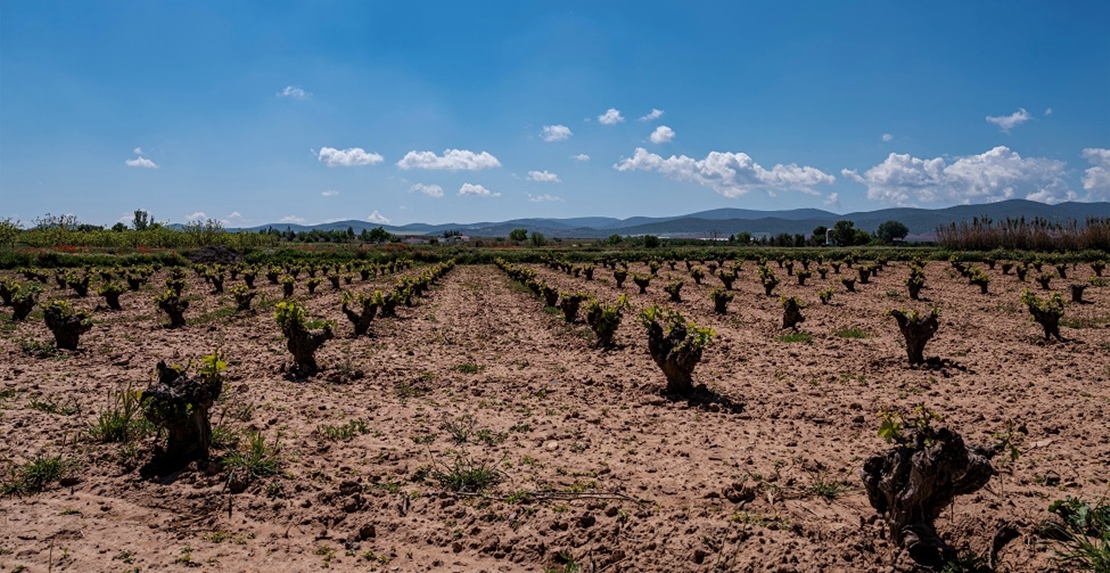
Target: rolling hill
point(723, 222)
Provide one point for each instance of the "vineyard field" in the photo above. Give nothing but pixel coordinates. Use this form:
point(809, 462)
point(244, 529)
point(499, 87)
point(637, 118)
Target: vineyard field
point(478, 430)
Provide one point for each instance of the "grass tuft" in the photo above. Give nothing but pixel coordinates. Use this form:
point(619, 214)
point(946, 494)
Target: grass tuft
point(36, 475)
point(466, 475)
point(258, 460)
point(803, 337)
point(122, 421)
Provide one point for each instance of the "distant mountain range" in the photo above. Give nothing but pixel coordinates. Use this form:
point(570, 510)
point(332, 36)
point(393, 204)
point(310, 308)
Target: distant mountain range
point(922, 223)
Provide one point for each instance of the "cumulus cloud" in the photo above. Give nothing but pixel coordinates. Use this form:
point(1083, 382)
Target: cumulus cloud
point(662, 134)
point(556, 133)
point(1096, 180)
point(197, 216)
point(350, 157)
point(582, 157)
point(653, 114)
point(235, 215)
point(378, 218)
point(137, 151)
point(329, 193)
point(833, 200)
point(1007, 122)
point(730, 174)
point(476, 191)
point(141, 162)
point(887, 137)
point(543, 198)
point(996, 175)
point(451, 160)
point(1048, 111)
point(292, 219)
point(543, 177)
point(611, 117)
point(294, 92)
point(429, 190)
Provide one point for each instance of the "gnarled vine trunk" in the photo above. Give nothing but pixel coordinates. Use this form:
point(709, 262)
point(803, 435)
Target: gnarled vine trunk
point(791, 314)
point(1049, 321)
point(912, 483)
point(180, 405)
point(112, 300)
point(916, 333)
point(361, 320)
point(304, 343)
point(1077, 292)
point(175, 309)
point(67, 330)
point(676, 360)
point(550, 295)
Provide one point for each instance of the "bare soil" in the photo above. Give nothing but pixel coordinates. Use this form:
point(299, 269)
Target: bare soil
point(597, 465)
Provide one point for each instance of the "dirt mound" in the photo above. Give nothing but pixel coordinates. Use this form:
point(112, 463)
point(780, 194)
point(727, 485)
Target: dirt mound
point(215, 254)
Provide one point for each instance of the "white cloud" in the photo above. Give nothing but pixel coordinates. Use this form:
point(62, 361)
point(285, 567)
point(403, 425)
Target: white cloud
point(833, 200)
point(235, 215)
point(1048, 111)
point(197, 216)
point(543, 177)
point(543, 198)
point(292, 219)
point(662, 134)
point(378, 218)
point(329, 193)
point(452, 160)
point(429, 190)
point(610, 117)
point(349, 157)
point(887, 137)
point(654, 114)
point(1096, 180)
point(582, 157)
point(294, 92)
point(730, 174)
point(476, 190)
point(141, 162)
point(138, 151)
point(1006, 122)
point(996, 175)
point(556, 133)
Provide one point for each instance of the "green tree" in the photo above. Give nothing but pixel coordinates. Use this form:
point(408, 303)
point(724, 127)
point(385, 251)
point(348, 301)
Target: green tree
point(142, 220)
point(376, 235)
point(651, 241)
point(9, 230)
point(891, 231)
point(818, 235)
point(538, 240)
point(845, 234)
point(518, 235)
point(614, 239)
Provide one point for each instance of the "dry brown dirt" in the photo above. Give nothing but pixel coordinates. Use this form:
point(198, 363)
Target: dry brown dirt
point(627, 479)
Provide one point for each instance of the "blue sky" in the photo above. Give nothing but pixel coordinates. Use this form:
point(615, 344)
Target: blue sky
point(259, 112)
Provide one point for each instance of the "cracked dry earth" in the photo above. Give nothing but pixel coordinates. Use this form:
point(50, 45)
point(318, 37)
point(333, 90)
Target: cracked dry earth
point(596, 465)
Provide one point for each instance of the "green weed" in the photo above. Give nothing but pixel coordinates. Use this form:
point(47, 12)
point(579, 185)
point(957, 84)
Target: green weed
point(36, 475)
